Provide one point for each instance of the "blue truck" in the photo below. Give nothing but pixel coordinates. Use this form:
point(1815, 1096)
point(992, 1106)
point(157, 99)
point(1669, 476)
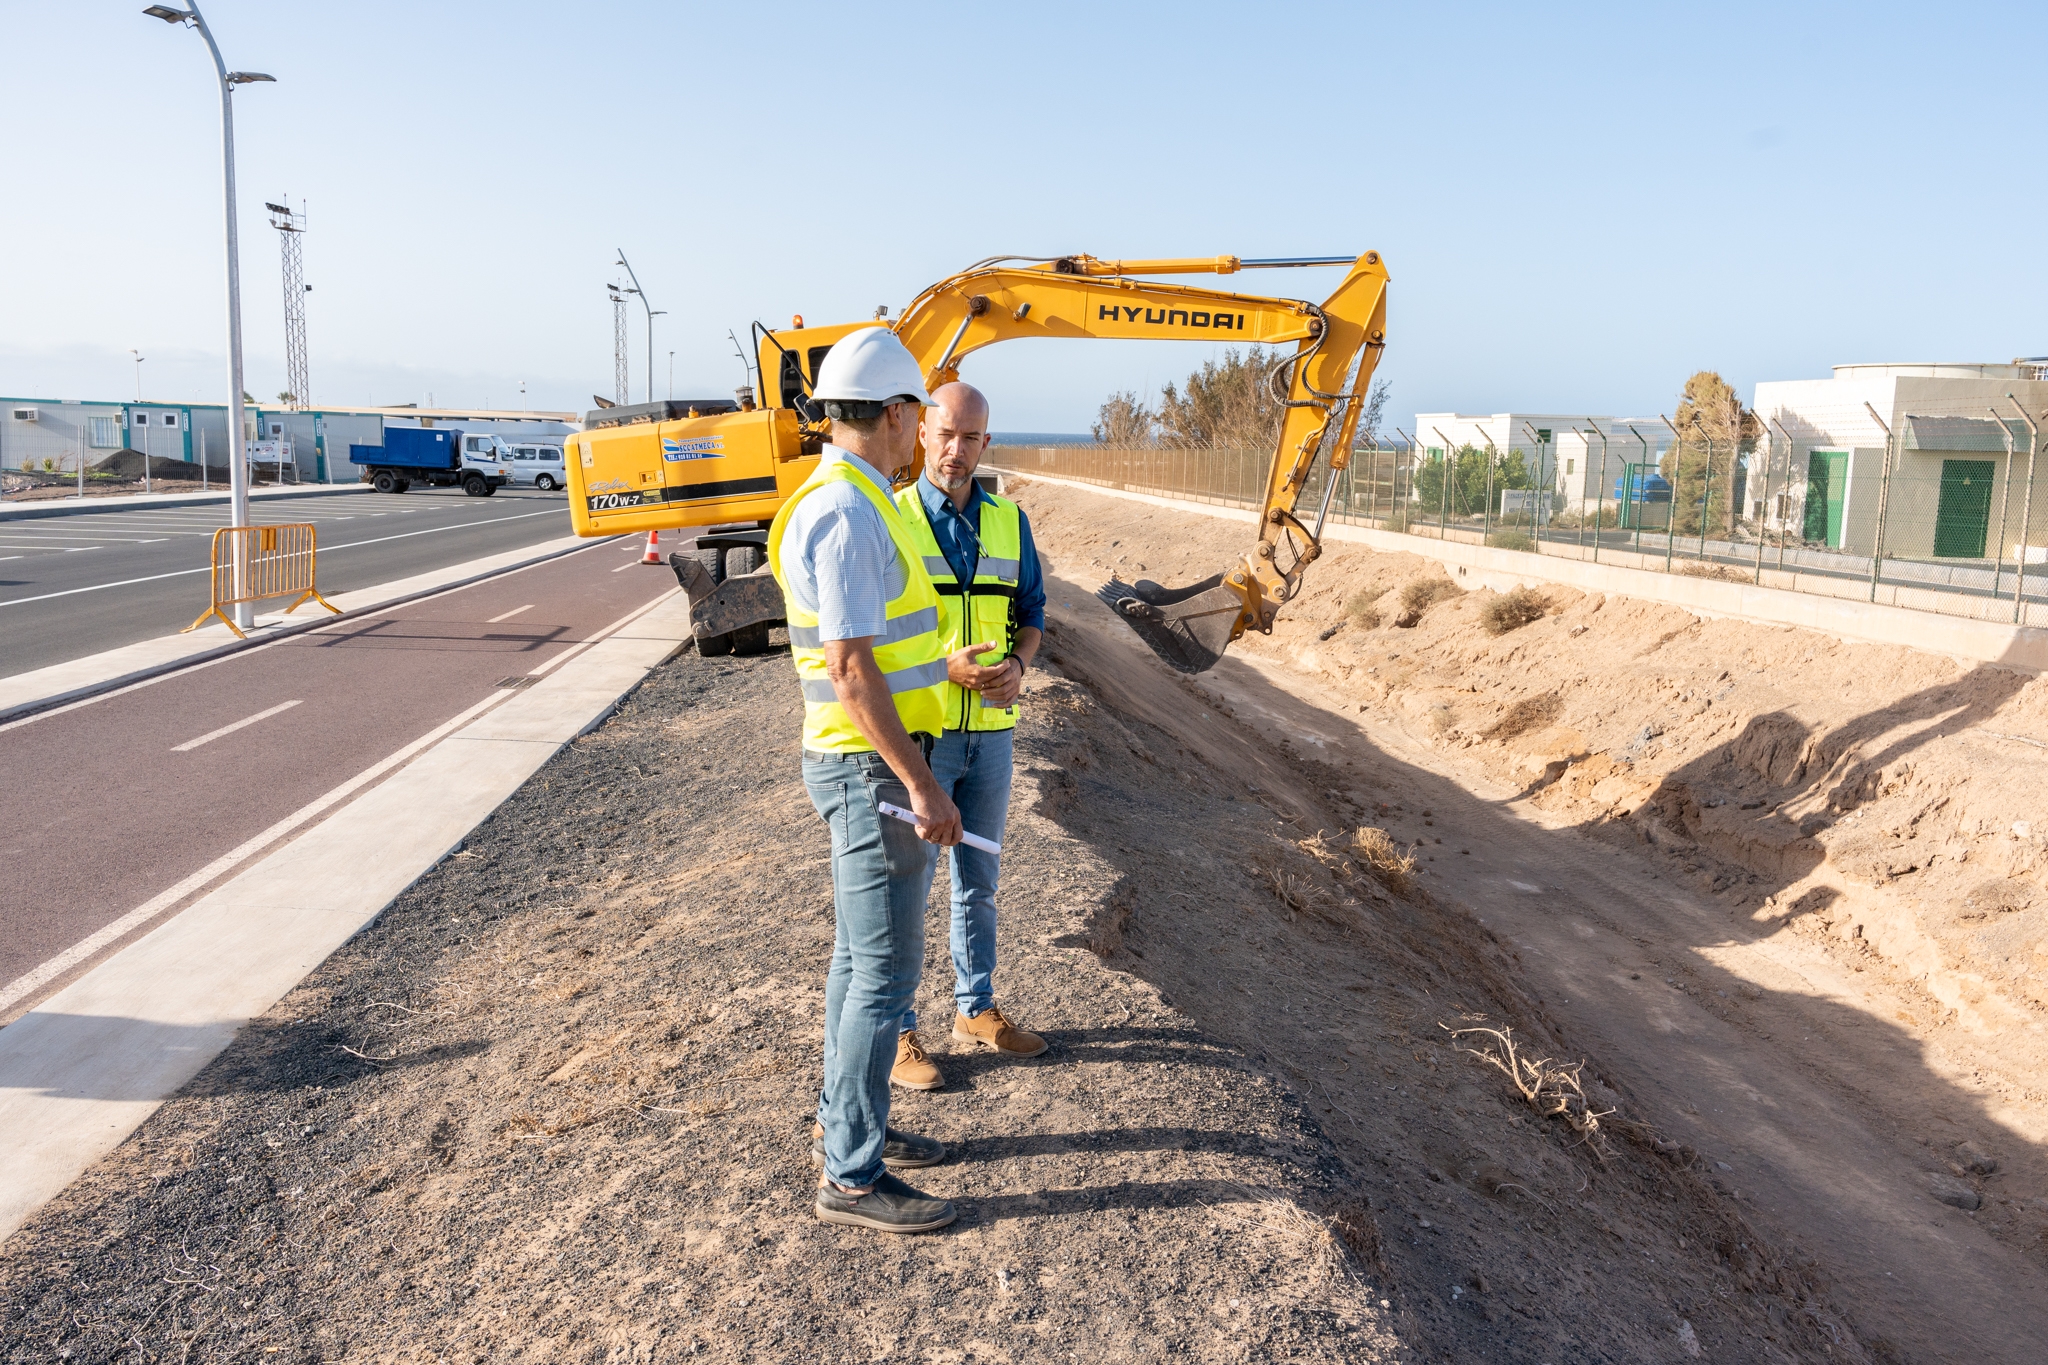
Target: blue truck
point(444, 457)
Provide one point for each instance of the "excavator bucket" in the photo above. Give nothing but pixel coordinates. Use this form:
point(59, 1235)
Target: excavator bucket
point(1188, 628)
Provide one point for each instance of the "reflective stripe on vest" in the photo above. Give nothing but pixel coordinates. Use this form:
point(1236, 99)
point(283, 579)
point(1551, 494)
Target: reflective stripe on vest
point(985, 613)
point(907, 651)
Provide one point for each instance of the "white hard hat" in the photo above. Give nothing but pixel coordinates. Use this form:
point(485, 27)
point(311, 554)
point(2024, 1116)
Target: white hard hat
point(867, 370)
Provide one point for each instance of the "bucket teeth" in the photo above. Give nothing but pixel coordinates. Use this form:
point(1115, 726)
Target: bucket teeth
point(1188, 628)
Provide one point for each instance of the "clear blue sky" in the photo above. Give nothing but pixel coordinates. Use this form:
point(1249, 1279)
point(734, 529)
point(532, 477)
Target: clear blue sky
point(1579, 205)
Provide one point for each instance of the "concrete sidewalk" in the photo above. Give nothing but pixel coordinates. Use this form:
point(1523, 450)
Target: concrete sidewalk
point(80, 1072)
point(43, 688)
point(134, 502)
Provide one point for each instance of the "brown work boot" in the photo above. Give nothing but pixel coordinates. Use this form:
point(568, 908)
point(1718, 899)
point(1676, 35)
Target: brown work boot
point(990, 1029)
point(913, 1070)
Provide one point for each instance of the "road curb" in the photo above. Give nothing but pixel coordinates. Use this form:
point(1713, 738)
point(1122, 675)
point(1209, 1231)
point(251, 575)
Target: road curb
point(37, 705)
point(30, 511)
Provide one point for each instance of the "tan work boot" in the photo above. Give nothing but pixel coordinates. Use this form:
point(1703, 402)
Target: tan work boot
point(990, 1029)
point(913, 1070)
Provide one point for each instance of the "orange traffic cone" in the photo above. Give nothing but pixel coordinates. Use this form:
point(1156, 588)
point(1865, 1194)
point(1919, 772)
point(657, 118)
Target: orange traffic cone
point(653, 555)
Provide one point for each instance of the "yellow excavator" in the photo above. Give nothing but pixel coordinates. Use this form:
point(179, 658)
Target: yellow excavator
point(728, 464)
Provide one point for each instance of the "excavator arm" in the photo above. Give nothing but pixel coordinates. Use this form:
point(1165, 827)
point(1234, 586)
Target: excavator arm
point(1322, 381)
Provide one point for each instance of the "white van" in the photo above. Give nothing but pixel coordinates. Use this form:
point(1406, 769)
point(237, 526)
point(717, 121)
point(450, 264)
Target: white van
point(540, 466)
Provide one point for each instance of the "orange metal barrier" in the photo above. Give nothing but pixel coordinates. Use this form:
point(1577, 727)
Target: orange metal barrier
point(276, 561)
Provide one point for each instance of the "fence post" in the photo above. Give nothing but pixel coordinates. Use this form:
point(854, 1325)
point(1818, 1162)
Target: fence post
point(1763, 516)
point(1635, 501)
point(1600, 490)
point(1791, 449)
point(1486, 512)
point(2019, 576)
point(1443, 516)
point(1677, 467)
point(1884, 490)
point(2004, 502)
point(1706, 488)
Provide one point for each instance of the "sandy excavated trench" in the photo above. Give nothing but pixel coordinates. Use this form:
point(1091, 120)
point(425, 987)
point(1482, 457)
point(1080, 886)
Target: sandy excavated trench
point(1787, 890)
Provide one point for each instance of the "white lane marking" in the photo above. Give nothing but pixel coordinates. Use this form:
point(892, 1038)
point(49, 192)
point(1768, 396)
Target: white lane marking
point(509, 615)
point(33, 980)
point(74, 549)
point(13, 556)
point(213, 735)
point(631, 563)
point(328, 550)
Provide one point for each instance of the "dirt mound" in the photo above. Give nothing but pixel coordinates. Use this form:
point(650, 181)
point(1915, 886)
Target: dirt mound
point(128, 465)
point(1826, 859)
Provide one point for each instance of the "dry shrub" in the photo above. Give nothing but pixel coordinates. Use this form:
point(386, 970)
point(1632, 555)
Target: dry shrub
point(1530, 713)
point(1715, 571)
point(1423, 593)
point(1323, 1254)
point(1512, 610)
point(1552, 1088)
point(1511, 539)
point(1302, 895)
point(1359, 607)
point(1384, 859)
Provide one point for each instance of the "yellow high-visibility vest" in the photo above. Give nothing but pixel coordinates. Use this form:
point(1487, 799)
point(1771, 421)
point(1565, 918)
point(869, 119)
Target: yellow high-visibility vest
point(977, 611)
point(908, 650)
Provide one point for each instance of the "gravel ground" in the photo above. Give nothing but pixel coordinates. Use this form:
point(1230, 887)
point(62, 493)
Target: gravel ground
point(554, 1105)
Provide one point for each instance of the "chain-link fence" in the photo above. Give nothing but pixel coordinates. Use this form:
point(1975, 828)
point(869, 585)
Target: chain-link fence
point(1946, 513)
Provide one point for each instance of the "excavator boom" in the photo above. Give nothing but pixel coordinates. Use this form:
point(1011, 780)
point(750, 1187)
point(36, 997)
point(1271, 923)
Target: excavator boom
point(1322, 382)
point(713, 463)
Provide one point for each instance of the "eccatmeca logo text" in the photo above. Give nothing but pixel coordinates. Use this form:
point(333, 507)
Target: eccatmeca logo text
point(1171, 317)
point(703, 448)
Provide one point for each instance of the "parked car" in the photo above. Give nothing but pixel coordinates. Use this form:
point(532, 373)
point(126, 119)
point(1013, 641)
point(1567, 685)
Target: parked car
point(540, 466)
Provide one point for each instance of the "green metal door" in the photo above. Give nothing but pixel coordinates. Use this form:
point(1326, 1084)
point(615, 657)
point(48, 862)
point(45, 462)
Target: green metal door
point(1827, 479)
point(1962, 519)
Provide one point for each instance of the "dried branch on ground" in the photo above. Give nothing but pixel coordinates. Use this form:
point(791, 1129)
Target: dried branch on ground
point(1553, 1089)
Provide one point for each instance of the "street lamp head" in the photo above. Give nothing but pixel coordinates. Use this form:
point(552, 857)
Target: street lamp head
point(167, 14)
point(245, 77)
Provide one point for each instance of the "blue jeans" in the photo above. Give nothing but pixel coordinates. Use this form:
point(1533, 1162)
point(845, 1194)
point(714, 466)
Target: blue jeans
point(881, 873)
point(973, 767)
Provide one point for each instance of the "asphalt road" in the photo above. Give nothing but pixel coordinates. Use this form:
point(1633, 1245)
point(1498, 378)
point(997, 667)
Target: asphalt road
point(108, 804)
point(73, 586)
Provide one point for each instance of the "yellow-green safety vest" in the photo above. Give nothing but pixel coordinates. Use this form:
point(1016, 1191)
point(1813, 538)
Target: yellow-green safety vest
point(980, 611)
point(908, 651)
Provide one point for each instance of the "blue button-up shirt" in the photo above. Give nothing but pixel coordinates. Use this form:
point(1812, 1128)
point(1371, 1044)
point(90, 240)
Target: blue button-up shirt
point(960, 545)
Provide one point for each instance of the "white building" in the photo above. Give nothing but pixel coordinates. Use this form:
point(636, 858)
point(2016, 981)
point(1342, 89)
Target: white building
point(1955, 493)
point(1582, 457)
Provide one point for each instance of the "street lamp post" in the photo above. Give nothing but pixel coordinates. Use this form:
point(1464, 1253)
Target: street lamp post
point(652, 314)
point(138, 372)
point(238, 471)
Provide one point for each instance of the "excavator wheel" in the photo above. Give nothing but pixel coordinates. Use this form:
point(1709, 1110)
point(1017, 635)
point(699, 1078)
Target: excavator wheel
point(1188, 628)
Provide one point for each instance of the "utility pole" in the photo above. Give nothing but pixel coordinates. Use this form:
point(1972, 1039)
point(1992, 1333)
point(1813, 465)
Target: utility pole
point(290, 228)
point(620, 377)
point(238, 468)
point(138, 372)
point(652, 313)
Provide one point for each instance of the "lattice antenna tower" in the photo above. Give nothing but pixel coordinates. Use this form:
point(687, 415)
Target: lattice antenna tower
point(291, 227)
point(619, 379)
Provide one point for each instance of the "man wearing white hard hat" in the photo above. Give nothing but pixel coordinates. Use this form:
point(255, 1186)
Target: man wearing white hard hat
point(864, 635)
